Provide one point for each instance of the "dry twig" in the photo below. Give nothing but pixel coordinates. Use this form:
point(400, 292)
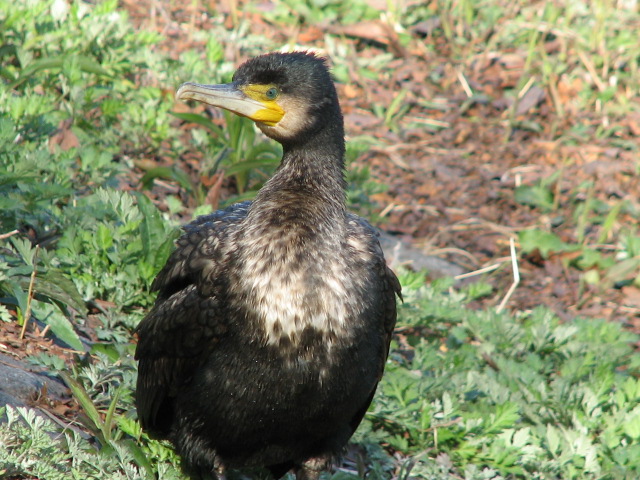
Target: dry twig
point(516, 275)
point(32, 281)
point(9, 234)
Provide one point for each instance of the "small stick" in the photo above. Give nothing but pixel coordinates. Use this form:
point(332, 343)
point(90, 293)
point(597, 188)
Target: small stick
point(32, 281)
point(465, 85)
point(490, 268)
point(385, 211)
point(10, 234)
point(516, 276)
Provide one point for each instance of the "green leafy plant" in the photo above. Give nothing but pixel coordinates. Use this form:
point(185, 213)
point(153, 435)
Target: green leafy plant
point(516, 395)
point(236, 149)
point(122, 241)
point(594, 222)
point(317, 11)
point(34, 287)
point(33, 446)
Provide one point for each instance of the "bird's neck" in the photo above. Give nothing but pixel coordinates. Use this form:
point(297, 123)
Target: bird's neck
point(310, 175)
point(295, 231)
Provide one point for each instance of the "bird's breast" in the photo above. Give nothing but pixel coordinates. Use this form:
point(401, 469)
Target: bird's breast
point(294, 288)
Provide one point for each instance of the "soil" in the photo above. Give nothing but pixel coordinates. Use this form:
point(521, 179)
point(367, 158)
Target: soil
point(453, 159)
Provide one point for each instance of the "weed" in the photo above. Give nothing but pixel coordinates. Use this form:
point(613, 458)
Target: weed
point(517, 395)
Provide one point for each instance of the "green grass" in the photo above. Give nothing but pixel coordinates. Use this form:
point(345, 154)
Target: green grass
point(467, 394)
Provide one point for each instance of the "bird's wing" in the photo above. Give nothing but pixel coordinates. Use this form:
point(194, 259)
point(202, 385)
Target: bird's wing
point(389, 288)
point(389, 285)
point(197, 250)
point(185, 322)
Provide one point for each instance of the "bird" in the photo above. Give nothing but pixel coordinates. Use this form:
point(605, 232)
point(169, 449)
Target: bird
point(273, 317)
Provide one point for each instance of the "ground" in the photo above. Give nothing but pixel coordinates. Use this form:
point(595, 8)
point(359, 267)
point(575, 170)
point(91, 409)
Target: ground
point(453, 152)
point(453, 158)
point(453, 155)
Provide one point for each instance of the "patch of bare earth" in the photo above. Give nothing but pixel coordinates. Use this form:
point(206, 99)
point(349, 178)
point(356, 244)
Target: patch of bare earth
point(452, 169)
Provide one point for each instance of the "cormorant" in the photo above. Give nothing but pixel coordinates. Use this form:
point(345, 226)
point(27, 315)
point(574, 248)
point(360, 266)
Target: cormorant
point(273, 318)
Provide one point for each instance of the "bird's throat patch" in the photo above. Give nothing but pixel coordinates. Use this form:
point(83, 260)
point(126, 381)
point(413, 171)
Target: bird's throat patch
point(269, 116)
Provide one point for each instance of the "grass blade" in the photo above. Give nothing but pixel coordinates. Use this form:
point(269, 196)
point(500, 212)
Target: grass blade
point(83, 398)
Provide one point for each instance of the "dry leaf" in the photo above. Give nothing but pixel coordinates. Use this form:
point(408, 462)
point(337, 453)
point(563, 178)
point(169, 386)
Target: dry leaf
point(64, 138)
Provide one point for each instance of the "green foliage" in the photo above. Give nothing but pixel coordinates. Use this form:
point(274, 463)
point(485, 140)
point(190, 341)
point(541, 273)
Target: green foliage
point(121, 242)
point(594, 222)
point(236, 149)
point(106, 236)
point(319, 11)
point(535, 195)
point(54, 298)
point(360, 186)
point(32, 446)
point(470, 393)
point(543, 242)
point(61, 64)
point(394, 112)
point(67, 72)
point(526, 397)
point(102, 386)
point(82, 61)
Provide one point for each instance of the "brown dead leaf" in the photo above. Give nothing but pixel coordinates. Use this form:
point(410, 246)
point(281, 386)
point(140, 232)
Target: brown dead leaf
point(427, 27)
point(633, 121)
point(502, 70)
point(534, 97)
point(373, 31)
point(60, 409)
point(569, 88)
point(310, 35)
point(631, 296)
point(214, 183)
point(512, 61)
point(545, 145)
point(64, 138)
point(350, 91)
point(463, 134)
point(181, 107)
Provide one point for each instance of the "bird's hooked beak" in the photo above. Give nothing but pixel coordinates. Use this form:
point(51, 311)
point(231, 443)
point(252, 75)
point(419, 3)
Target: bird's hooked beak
point(243, 101)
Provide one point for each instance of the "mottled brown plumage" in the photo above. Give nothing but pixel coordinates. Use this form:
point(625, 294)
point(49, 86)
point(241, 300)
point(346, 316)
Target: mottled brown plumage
point(273, 318)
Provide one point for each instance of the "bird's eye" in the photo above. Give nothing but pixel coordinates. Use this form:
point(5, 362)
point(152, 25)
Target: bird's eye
point(272, 93)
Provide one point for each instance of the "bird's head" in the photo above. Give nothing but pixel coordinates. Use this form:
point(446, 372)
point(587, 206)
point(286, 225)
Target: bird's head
point(290, 96)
